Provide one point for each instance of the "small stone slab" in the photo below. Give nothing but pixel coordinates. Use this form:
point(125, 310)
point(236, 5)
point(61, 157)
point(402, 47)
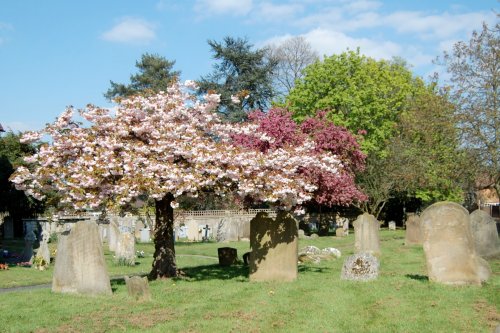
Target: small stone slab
point(138, 288)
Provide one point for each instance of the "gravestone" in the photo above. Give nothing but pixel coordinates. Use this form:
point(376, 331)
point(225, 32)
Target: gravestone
point(80, 266)
point(29, 239)
point(392, 225)
point(145, 235)
point(360, 267)
point(138, 288)
point(345, 225)
point(274, 247)
point(449, 247)
point(339, 232)
point(366, 234)
point(114, 234)
point(227, 256)
point(302, 234)
point(125, 249)
point(413, 233)
point(43, 251)
point(484, 232)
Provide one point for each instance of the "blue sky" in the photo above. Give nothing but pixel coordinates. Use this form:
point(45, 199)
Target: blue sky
point(55, 53)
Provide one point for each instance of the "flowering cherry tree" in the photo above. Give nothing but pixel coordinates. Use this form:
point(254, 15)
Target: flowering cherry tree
point(168, 145)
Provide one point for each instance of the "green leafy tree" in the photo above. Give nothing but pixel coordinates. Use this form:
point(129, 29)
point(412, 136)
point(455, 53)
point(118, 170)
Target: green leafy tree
point(155, 74)
point(15, 202)
point(358, 92)
point(474, 69)
point(240, 72)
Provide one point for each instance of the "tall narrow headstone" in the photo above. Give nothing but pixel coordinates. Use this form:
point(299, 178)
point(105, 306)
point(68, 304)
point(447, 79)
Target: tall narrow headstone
point(43, 251)
point(413, 233)
point(125, 249)
point(485, 234)
point(366, 234)
point(274, 247)
point(449, 246)
point(80, 266)
point(114, 233)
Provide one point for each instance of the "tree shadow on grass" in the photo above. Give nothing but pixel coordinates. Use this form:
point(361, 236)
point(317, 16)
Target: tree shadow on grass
point(422, 278)
point(312, 269)
point(214, 272)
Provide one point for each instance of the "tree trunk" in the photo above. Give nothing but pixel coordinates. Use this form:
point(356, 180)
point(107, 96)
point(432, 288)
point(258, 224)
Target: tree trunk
point(164, 265)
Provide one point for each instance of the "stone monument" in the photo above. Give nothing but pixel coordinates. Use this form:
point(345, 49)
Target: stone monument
point(413, 233)
point(485, 234)
point(366, 234)
point(80, 267)
point(449, 247)
point(274, 247)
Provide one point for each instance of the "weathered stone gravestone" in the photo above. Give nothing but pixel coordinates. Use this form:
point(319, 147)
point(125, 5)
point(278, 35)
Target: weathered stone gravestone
point(138, 288)
point(80, 266)
point(114, 234)
point(485, 234)
point(43, 251)
point(392, 225)
point(345, 225)
point(302, 234)
point(339, 232)
point(366, 234)
point(449, 246)
point(274, 247)
point(227, 256)
point(360, 267)
point(125, 249)
point(29, 239)
point(145, 235)
point(413, 233)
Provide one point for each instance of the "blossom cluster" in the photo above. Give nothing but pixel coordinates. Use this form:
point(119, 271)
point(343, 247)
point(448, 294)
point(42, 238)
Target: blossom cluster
point(174, 143)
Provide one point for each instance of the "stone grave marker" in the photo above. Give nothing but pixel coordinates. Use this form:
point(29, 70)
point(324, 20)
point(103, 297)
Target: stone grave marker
point(113, 234)
point(43, 251)
point(485, 234)
point(392, 225)
point(227, 256)
point(138, 288)
point(360, 267)
point(339, 232)
point(449, 247)
point(125, 249)
point(80, 266)
point(345, 225)
point(274, 247)
point(366, 234)
point(29, 239)
point(145, 235)
point(413, 233)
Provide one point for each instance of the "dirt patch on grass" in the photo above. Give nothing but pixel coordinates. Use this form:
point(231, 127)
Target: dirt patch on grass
point(113, 319)
point(488, 312)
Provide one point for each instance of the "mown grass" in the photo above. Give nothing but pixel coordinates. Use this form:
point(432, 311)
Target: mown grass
point(221, 299)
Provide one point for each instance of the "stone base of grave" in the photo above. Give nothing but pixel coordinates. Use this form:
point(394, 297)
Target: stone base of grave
point(274, 244)
point(80, 267)
point(227, 256)
point(360, 267)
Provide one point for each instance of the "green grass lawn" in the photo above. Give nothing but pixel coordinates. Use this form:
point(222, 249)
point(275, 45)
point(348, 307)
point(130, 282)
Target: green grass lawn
point(221, 299)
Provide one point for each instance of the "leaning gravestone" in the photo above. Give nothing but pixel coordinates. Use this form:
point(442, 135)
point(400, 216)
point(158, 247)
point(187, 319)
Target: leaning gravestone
point(114, 234)
point(125, 249)
point(484, 232)
point(274, 247)
point(360, 267)
point(366, 234)
point(449, 246)
point(138, 288)
point(413, 233)
point(80, 267)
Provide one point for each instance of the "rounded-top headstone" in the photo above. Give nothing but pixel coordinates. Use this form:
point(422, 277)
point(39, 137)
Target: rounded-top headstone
point(485, 234)
point(449, 246)
point(366, 234)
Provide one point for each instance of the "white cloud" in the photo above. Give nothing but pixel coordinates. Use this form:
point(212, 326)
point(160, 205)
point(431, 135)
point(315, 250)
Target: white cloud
point(130, 30)
point(223, 7)
point(435, 26)
point(269, 11)
point(328, 42)
point(362, 5)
